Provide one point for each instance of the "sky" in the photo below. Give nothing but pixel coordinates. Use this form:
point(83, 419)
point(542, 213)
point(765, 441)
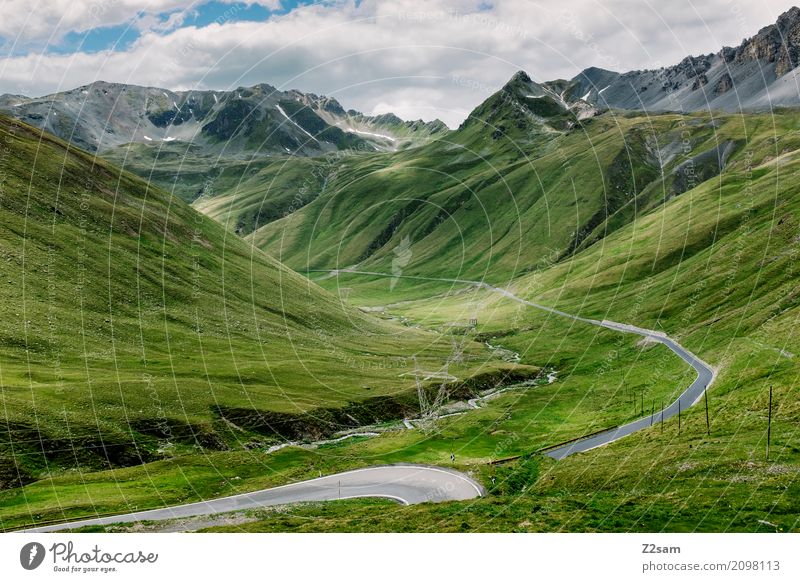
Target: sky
point(418, 59)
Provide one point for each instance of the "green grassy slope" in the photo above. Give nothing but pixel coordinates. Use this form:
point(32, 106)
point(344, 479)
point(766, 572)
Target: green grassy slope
point(190, 171)
point(267, 192)
point(627, 219)
point(731, 299)
point(515, 422)
point(709, 257)
point(715, 267)
point(135, 329)
point(479, 202)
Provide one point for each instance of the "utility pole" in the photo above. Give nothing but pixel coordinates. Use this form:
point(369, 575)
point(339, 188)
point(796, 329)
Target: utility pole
point(679, 416)
point(708, 424)
point(662, 415)
point(652, 412)
point(769, 421)
point(642, 402)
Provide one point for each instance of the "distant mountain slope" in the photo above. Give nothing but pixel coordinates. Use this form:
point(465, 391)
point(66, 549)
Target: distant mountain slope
point(760, 73)
point(259, 119)
point(195, 143)
point(523, 112)
point(385, 131)
point(525, 182)
point(246, 199)
point(133, 328)
point(550, 105)
point(537, 170)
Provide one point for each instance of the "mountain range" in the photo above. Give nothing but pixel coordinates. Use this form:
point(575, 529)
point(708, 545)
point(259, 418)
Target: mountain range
point(160, 345)
point(102, 116)
point(187, 141)
point(759, 74)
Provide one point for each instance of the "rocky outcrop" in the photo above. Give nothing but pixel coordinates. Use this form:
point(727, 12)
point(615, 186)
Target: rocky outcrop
point(763, 69)
point(724, 84)
point(777, 43)
point(699, 81)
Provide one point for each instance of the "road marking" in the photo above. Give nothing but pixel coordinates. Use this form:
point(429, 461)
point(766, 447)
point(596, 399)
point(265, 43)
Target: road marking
point(408, 470)
point(380, 495)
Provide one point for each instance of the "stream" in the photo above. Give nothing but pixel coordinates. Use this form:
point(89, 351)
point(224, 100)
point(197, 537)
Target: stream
point(447, 410)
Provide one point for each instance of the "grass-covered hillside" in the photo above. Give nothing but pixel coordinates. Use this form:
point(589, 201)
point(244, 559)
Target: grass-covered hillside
point(134, 329)
point(716, 267)
point(241, 205)
point(683, 223)
point(516, 188)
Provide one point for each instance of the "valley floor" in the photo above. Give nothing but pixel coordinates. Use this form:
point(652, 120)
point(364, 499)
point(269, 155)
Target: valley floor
point(653, 481)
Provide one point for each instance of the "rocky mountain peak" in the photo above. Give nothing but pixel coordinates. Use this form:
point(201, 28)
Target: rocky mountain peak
point(758, 74)
point(789, 18)
point(520, 76)
point(777, 43)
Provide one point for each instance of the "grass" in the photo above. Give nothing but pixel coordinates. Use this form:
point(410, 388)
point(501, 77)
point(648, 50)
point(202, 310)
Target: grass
point(517, 422)
point(472, 206)
point(133, 327)
point(714, 266)
point(657, 480)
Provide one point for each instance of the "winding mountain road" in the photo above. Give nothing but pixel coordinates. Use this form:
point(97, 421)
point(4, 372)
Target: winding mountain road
point(695, 391)
point(705, 373)
point(407, 484)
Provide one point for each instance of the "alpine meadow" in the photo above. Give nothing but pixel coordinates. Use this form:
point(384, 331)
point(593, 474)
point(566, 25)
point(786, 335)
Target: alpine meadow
point(575, 309)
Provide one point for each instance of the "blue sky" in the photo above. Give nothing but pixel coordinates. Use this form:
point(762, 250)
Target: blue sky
point(121, 36)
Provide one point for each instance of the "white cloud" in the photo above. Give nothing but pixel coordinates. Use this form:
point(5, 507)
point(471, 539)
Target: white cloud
point(48, 20)
point(413, 57)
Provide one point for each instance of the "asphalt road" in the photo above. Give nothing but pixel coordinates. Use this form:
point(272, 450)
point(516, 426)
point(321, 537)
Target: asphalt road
point(407, 484)
point(705, 374)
